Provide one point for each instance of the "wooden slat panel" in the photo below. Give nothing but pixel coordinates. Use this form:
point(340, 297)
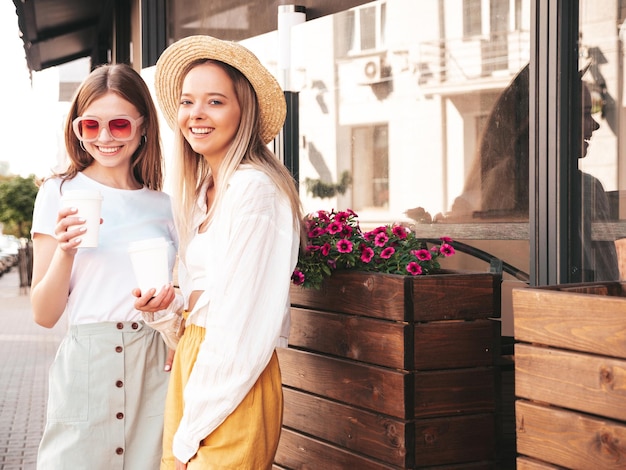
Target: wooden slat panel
point(610, 288)
point(455, 296)
point(449, 296)
point(453, 392)
point(569, 439)
point(370, 387)
point(455, 344)
point(441, 441)
point(588, 323)
point(524, 463)
point(593, 384)
point(370, 434)
point(369, 294)
point(296, 451)
point(351, 336)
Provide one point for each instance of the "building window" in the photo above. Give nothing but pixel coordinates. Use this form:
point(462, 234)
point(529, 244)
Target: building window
point(368, 28)
point(370, 166)
point(472, 18)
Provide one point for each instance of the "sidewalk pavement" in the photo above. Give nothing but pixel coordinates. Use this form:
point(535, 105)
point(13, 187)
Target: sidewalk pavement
point(27, 350)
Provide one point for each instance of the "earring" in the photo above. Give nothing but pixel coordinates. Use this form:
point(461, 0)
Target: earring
point(144, 139)
point(82, 146)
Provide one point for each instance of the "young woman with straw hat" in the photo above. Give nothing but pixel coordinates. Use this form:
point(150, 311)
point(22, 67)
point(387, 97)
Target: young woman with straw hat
point(238, 215)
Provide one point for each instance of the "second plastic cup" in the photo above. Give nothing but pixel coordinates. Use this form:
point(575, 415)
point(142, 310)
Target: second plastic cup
point(150, 263)
point(89, 204)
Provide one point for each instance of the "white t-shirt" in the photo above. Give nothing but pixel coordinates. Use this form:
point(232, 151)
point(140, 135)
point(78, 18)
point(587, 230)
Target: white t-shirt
point(102, 278)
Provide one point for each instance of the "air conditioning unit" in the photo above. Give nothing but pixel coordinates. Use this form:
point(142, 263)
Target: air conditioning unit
point(371, 70)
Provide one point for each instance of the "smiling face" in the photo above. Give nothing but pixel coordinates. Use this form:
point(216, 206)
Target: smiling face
point(106, 151)
point(209, 112)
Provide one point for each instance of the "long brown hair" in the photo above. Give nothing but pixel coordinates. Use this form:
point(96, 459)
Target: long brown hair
point(147, 162)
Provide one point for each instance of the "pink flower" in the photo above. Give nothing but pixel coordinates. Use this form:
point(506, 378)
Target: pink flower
point(381, 239)
point(325, 249)
point(342, 217)
point(344, 246)
point(446, 250)
point(367, 254)
point(335, 227)
point(423, 255)
point(316, 232)
point(297, 277)
point(387, 253)
point(323, 216)
point(446, 239)
point(399, 231)
point(414, 268)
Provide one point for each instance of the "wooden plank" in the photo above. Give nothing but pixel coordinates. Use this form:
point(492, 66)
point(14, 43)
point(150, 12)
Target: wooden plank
point(474, 230)
point(297, 451)
point(584, 382)
point(612, 288)
point(455, 296)
point(455, 344)
point(367, 433)
point(587, 323)
point(371, 387)
point(524, 463)
point(446, 296)
point(355, 292)
point(351, 336)
point(569, 439)
point(441, 441)
point(453, 392)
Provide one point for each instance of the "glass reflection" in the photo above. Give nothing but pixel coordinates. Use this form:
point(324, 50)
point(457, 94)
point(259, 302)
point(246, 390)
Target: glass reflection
point(597, 212)
point(428, 113)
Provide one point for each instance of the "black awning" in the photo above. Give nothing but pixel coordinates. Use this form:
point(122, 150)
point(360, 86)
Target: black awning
point(59, 31)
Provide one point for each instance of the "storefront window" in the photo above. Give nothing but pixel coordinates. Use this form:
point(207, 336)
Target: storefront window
point(425, 106)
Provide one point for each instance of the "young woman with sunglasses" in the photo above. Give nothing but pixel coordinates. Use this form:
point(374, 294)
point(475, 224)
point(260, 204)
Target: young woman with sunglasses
point(108, 382)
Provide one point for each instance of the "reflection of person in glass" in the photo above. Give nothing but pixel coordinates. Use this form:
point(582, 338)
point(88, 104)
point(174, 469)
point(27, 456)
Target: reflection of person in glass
point(497, 183)
point(599, 261)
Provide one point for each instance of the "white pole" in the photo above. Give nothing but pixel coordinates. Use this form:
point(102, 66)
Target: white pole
point(288, 16)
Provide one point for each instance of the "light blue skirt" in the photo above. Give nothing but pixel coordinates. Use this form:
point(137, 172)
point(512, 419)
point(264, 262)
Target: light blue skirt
point(106, 399)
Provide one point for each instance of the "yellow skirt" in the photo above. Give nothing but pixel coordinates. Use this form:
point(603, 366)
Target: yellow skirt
point(248, 438)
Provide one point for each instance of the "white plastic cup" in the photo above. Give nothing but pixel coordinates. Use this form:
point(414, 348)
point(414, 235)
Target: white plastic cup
point(150, 263)
point(89, 205)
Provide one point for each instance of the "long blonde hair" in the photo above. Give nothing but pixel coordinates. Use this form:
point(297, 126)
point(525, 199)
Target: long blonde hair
point(192, 175)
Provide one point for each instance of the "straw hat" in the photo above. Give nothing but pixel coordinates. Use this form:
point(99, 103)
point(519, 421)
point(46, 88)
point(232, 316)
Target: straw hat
point(175, 59)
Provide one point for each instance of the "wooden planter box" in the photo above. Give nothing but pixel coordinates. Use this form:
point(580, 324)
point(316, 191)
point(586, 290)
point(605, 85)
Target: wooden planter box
point(391, 372)
point(570, 376)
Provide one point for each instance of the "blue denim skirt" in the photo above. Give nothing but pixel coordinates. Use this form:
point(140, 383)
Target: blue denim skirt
point(106, 399)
